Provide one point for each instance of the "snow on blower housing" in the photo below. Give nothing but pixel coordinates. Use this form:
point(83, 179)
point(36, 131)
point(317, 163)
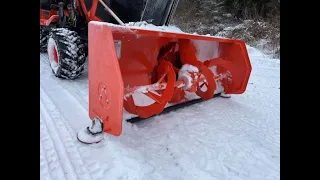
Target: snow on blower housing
point(137, 69)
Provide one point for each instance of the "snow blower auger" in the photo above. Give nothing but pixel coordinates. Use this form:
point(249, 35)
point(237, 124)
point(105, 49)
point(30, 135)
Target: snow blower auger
point(166, 68)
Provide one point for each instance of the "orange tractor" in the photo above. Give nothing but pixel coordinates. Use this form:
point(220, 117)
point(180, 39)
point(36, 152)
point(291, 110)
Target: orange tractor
point(137, 72)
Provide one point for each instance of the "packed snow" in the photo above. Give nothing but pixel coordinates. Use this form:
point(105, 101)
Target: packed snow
point(147, 26)
point(220, 139)
point(185, 76)
point(141, 25)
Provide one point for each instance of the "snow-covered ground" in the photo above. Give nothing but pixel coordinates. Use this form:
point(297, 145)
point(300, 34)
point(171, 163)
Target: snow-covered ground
point(236, 138)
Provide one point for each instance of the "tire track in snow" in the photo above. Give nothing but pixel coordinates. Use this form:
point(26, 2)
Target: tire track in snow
point(60, 127)
point(65, 97)
point(64, 100)
point(44, 169)
point(95, 171)
point(95, 167)
point(72, 87)
point(256, 131)
point(66, 104)
point(228, 141)
point(253, 123)
point(243, 120)
point(56, 144)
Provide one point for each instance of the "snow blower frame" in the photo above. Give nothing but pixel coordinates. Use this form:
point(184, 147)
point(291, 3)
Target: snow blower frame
point(164, 66)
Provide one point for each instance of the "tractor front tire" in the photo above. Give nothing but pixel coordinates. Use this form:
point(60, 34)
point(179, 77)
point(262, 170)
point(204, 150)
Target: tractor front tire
point(66, 53)
point(43, 39)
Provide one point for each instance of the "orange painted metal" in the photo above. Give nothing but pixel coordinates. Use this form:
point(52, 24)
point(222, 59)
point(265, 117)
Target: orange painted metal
point(160, 101)
point(129, 60)
point(89, 14)
point(105, 81)
point(47, 17)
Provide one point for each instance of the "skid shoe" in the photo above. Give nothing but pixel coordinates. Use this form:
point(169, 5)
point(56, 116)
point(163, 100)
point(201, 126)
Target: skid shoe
point(92, 134)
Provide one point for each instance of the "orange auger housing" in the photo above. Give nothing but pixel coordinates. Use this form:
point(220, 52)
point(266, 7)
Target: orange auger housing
point(166, 67)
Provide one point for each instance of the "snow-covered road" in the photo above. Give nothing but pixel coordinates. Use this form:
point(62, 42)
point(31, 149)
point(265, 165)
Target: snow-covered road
point(236, 138)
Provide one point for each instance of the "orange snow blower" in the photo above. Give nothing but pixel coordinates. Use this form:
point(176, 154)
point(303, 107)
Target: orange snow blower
point(136, 72)
point(169, 68)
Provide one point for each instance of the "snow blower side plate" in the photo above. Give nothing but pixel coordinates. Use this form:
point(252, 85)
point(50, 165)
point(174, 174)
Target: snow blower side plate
point(105, 80)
